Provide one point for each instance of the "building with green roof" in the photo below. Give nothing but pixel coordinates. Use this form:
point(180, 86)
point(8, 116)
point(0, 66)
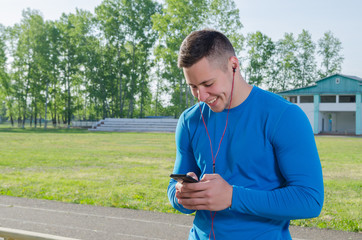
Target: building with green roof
point(332, 104)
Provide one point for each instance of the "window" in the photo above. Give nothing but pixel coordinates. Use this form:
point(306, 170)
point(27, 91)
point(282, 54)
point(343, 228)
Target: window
point(328, 99)
point(347, 99)
point(306, 99)
point(293, 99)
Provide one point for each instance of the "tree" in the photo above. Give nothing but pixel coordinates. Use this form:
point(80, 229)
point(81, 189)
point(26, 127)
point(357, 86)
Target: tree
point(41, 67)
point(53, 87)
point(285, 67)
point(29, 63)
point(260, 49)
point(4, 77)
point(306, 58)
point(177, 20)
point(127, 29)
point(110, 18)
point(97, 76)
point(224, 16)
point(329, 48)
point(141, 37)
point(73, 30)
point(12, 96)
point(84, 66)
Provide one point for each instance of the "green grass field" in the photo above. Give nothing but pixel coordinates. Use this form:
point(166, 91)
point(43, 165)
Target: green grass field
point(130, 170)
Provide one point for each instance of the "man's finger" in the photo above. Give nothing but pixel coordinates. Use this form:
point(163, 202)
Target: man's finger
point(209, 177)
point(194, 203)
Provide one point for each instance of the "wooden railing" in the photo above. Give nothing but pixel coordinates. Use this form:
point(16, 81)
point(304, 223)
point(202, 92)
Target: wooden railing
point(16, 234)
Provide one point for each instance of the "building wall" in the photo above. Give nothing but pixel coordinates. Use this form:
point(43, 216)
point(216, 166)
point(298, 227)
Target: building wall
point(342, 115)
point(337, 98)
point(346, 122)
point(324, 125)
point(337, 122)
point(337, 107)
point(308, 109)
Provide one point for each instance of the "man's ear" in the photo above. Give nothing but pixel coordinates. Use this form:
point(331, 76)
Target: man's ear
point(234, 62)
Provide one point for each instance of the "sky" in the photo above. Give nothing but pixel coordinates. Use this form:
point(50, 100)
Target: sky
point(272, 17)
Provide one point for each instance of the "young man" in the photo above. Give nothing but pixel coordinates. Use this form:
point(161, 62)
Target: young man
point(253, 152)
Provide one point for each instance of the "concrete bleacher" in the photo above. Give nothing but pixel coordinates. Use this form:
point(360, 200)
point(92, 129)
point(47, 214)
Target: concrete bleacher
point(135, 125)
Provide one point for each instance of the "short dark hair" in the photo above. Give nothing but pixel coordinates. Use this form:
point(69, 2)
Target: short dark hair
point(208, 43)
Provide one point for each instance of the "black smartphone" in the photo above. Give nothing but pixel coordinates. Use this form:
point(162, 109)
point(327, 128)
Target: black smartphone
point(183, 178)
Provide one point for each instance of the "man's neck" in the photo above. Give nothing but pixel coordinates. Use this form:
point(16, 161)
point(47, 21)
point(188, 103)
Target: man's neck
point(241, 91)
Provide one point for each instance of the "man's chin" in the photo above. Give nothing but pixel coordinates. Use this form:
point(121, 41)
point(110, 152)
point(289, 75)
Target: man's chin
point(216, 109)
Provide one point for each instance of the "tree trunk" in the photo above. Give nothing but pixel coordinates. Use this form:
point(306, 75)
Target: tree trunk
point(36, 116)
point(120, 84)
point(24, 106)
point(157, 91)
point(69, 111)
point(142, 96)
point(186, 96)
point(31, 116)
point(55, 106)
point(35, 119)
point(131, 101)
point(181, 104)
point(46, 105)
point(54, 119)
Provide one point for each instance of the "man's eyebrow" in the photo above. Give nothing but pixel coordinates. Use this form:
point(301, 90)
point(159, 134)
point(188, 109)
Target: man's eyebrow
point(203, 82)
point(208, 80)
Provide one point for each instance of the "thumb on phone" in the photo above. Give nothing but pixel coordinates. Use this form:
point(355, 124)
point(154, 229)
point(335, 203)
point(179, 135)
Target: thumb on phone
point(193, 175)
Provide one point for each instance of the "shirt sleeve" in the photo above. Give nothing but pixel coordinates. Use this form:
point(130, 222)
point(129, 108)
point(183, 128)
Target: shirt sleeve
point(296, 154)
point(185, 162)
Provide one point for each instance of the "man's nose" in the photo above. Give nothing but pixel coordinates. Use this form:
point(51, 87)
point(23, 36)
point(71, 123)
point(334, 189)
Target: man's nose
point(202, 95)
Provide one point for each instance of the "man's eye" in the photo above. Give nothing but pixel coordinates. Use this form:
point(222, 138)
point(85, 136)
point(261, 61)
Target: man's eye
point(208, 85)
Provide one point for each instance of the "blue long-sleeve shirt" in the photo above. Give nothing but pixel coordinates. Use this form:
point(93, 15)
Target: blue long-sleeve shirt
point(268, 155)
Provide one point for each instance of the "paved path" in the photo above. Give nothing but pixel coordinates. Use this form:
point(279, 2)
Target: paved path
point(92, 222)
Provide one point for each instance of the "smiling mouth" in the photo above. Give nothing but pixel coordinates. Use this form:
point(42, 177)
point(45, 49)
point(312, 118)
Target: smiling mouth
point(212, 101)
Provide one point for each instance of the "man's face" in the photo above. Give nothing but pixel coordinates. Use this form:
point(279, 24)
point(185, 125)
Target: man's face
point(209, 84)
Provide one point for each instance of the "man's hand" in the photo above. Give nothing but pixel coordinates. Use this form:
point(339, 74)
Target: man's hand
point(211, 193)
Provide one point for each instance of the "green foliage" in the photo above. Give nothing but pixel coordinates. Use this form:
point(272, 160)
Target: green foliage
point(306, 57)
point(178, 19)
point(260, 50)
point(122, 60)
point(173, 24)
point(223, 15)
point(289, 62)
point(329, 49)
point(4, 78)
point(127, 30)
point(30, 60)
point(286, 65)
